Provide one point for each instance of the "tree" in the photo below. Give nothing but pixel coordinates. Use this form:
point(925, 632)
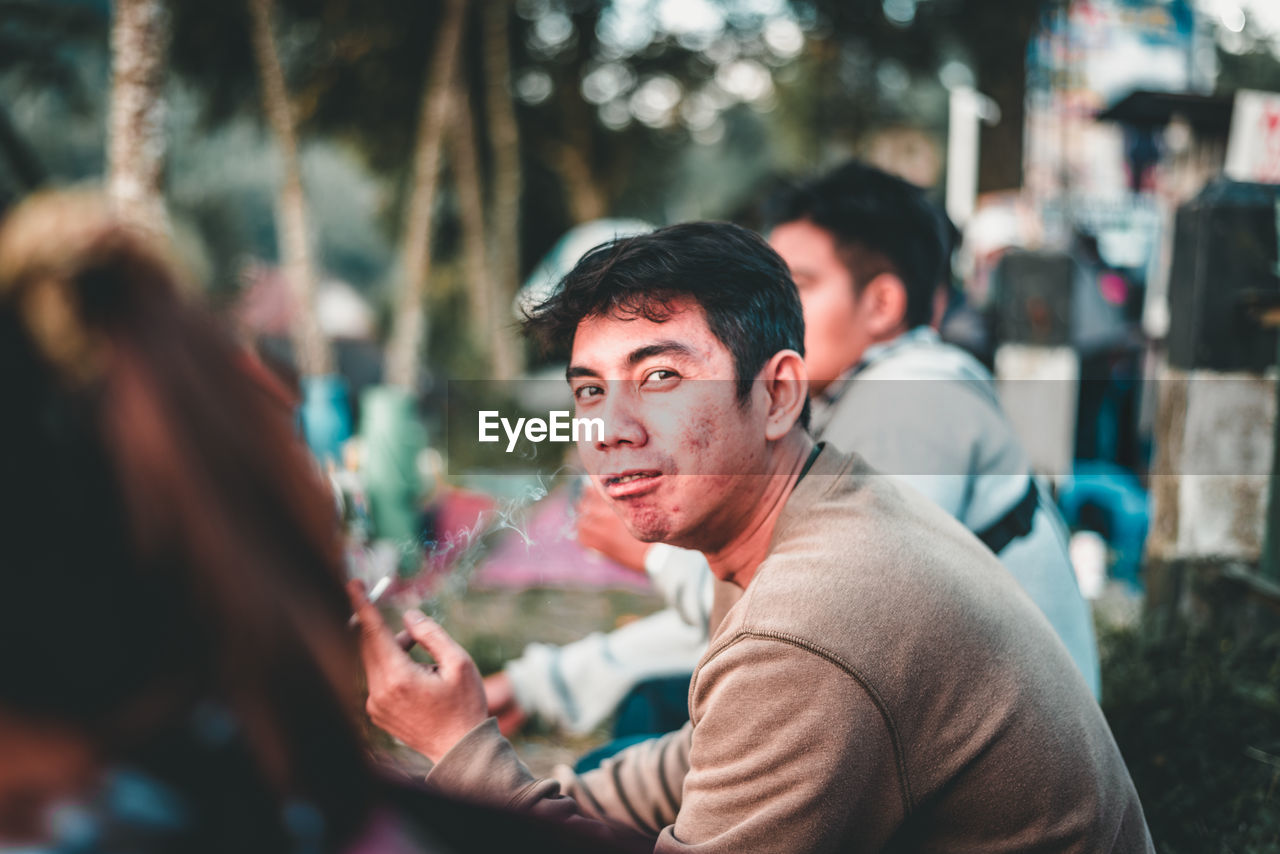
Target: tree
point(311, 351)
point(504, 140)
point(408, 336)
point(475, 251)
point(135, 170)
point(864, 42)
point(40, 45)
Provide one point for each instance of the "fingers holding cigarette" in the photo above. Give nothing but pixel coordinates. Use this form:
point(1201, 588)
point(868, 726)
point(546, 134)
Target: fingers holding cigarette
point(355, 589)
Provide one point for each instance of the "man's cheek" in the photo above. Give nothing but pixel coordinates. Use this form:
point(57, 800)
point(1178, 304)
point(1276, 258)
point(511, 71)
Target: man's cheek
point(688, 418)
point(704, 434)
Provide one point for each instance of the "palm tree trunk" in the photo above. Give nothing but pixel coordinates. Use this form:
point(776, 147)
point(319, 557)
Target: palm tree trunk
point(466, 173)
point(409, 331)
point(504, 141)
point(312, 352)
point(586, 198)
point(135, 157)
point(572, 158)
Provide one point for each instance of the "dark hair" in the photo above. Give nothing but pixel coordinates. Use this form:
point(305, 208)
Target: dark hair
point(881, 224)
point(742, 285)
point(173, 579)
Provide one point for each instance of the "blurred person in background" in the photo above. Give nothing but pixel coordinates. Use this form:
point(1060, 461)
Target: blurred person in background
point(866, 251)
point(177, 672)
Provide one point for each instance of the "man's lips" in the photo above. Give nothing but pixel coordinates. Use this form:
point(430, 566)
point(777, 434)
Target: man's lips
point(630, 483)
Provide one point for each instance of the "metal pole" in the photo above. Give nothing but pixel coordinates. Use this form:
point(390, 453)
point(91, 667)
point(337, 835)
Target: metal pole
point(1270, 564)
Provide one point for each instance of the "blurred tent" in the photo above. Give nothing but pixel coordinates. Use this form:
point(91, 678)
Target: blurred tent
point(264, 310)
point(266, 306)
point(567, 251)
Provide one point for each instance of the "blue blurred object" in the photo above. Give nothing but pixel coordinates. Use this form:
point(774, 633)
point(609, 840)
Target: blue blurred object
point(1103, 495)
point(326, 415)
point(651, 709)
point(130, 812)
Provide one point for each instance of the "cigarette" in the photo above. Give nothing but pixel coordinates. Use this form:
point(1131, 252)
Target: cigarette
point(403, 639)
point(374, 594)
point(378, 589)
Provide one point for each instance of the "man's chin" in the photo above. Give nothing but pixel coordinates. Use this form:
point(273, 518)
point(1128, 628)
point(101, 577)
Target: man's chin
point(650, 535)
point(667, 536)
point(647, 526)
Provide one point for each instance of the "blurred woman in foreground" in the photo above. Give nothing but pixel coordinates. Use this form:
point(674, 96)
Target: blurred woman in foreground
point(176, 671)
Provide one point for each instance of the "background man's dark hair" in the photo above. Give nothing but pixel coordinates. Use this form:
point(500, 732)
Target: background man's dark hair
point(881, 224)
point(746, 290)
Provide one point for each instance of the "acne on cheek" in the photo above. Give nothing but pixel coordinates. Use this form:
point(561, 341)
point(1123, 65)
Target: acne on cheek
point(704, 428)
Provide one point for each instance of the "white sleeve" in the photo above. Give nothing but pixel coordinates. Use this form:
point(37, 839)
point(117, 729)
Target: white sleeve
point(578, 685)
point(684, 579)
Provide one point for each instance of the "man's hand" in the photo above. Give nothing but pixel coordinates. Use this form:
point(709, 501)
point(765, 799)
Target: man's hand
point(428, 708)
point(502, 703)
point(601, 529)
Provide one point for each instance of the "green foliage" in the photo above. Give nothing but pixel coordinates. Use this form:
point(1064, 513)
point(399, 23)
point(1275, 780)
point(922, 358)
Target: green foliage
point(1196, 714)
point(39, 40)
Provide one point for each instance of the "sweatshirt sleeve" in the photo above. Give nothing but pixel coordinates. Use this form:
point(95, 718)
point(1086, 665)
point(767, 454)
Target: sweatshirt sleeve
point(484, 768)
point(632, 796)
point(578, 685)
point(763, 767)
point(639, 788)
point(790, 753)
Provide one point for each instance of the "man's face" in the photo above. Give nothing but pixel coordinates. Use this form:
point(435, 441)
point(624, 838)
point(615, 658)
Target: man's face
point(835, 318)
point(681, 459)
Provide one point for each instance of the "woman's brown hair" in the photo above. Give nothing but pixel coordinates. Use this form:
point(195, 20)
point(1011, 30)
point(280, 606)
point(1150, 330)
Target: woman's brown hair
point(172, 569)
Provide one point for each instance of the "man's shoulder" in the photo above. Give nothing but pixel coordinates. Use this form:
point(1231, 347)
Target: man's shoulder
point(927, 357)
point(876, 571)
point(859, 543)
point(848, 511)
point(925, 409)
point(913, 382)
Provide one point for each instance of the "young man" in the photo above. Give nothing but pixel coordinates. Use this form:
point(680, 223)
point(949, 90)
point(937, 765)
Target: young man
point(867, 252)
point(881, 683)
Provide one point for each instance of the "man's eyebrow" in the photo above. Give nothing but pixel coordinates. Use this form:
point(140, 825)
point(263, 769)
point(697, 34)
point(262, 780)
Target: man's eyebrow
point(635, 357)
point(659, 348)
point(579, 371)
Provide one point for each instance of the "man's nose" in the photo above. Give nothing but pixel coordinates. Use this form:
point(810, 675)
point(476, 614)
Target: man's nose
point(623, 424)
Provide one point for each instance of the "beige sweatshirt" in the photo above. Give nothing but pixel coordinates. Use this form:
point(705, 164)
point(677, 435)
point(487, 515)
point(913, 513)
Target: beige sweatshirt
point(882, 685)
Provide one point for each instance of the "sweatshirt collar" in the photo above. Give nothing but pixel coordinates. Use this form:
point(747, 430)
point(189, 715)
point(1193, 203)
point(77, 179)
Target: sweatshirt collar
point(822, 475)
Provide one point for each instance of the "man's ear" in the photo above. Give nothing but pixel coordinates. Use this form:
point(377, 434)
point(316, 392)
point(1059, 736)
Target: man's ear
point(786, 382)
point(883, 304)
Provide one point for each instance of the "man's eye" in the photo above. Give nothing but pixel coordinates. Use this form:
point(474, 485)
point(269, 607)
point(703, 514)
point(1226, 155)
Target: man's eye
point(586, 392)
point(661, 378)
